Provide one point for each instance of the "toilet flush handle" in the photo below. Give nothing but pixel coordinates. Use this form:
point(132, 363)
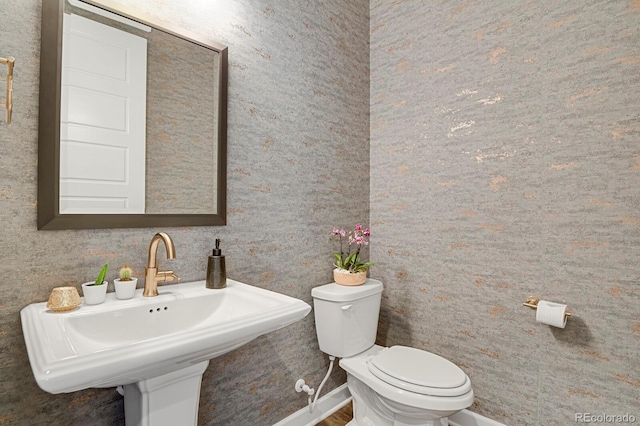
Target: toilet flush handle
point(347, 308)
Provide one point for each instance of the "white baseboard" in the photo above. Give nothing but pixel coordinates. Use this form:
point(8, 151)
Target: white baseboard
point(325, 406)
point(340, 396)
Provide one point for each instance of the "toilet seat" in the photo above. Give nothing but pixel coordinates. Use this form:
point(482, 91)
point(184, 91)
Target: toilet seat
point(418, 371)
point(357, 367)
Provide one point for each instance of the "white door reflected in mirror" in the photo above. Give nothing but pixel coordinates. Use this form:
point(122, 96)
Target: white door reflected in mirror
point(103, 119)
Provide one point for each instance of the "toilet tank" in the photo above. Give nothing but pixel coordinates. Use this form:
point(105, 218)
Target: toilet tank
point(346, 317)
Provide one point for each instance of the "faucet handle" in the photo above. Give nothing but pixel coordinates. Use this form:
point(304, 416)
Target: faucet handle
point(165, 276)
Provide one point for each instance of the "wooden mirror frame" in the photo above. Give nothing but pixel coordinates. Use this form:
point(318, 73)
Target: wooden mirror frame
point(49, 216)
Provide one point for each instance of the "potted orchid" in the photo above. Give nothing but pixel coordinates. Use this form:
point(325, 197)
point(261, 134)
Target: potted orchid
point(350, 270)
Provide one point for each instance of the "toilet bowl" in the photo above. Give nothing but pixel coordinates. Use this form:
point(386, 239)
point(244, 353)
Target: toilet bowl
point(399, 386)
point(400, 401)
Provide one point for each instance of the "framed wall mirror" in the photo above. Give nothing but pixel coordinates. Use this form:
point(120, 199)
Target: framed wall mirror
point(133, 120)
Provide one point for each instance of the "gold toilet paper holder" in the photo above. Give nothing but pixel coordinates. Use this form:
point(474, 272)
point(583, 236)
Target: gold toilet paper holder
point(532, 302)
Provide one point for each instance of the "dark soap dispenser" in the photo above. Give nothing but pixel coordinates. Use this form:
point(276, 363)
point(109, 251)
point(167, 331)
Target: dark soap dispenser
point(216, 272)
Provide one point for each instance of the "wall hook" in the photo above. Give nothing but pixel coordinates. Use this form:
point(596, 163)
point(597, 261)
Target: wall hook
point(10, 61)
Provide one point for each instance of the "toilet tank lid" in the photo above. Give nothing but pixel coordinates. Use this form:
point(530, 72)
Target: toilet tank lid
point(344, 293)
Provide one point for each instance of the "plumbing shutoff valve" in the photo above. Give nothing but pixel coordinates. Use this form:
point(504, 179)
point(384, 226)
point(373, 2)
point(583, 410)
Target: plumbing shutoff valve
point(301, 386)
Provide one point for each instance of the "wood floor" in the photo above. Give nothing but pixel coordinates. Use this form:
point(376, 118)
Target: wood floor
point(340, 417)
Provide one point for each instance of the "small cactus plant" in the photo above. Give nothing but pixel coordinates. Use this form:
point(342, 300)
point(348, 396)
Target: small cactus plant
point(125, 274)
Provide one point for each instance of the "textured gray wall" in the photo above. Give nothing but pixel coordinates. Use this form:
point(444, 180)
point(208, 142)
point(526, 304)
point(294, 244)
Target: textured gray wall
point(181, 126)
point(298, 147)
point(505, 159)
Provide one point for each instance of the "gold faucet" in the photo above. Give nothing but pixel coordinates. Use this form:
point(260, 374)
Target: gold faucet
point(152, 276)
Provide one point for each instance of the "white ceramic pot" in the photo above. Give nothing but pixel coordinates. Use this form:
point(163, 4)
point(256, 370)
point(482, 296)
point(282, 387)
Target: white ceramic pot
point(94, 294)
point(125, 289)
point(344, 277)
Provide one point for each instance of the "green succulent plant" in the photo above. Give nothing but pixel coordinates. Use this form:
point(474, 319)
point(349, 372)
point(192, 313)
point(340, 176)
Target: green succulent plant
point(102, 275)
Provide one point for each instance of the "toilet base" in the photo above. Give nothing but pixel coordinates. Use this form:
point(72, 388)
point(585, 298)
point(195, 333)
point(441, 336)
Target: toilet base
point(353, 423)
point(369, 409)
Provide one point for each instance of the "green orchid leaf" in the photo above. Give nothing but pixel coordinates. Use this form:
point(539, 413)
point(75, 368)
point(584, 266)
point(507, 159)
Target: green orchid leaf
point(350, 259)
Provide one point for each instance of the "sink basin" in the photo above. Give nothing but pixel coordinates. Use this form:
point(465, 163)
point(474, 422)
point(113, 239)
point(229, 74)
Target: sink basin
point(122, 342)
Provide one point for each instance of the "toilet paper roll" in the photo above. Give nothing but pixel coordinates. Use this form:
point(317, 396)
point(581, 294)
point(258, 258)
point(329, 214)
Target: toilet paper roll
point(551, 313)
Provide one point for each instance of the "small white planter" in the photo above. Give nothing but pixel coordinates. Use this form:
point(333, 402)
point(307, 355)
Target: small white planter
point(125, 289)
point(94, 294)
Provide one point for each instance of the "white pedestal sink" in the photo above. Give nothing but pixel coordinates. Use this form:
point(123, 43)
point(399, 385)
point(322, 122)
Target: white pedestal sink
point(156, 347)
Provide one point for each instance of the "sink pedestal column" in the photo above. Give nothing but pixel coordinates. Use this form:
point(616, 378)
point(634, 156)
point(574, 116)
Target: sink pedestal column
point(167, 400)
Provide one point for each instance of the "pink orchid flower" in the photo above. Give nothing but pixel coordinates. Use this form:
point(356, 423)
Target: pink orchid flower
point(349, 258)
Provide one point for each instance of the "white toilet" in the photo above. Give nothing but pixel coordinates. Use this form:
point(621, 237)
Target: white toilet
point(397, 386)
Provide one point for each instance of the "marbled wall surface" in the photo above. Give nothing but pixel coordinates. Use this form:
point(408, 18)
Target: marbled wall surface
point(505, 158)
point(298, 147)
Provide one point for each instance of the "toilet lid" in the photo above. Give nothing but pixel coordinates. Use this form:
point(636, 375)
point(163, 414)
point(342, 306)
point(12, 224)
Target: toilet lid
point(419, 371)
